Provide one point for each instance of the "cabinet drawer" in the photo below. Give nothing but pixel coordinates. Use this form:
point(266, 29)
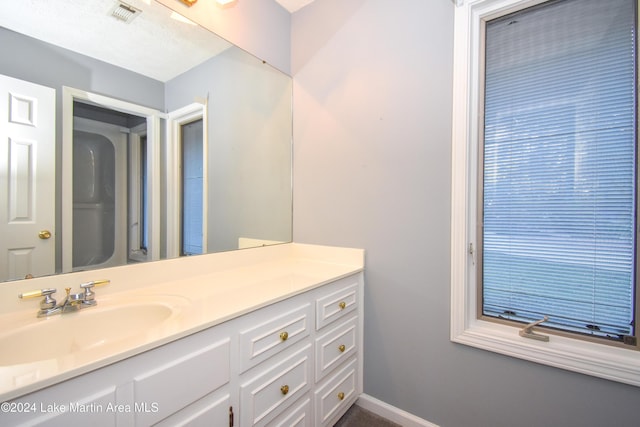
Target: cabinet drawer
point(272, 335)
point(337, 305)
point(298, 416)
point(339, 392)
point(335, 347)
point(203, 370)
point(267, 395)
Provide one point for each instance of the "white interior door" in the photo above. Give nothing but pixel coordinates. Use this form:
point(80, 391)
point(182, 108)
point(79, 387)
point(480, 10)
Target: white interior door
point(27, 179)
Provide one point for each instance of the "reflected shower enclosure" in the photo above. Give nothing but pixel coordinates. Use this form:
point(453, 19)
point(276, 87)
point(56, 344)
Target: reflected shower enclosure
point(94, 199)
point(100, 185)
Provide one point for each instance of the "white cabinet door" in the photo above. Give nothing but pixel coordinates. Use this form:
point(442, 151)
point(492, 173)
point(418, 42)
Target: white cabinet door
point(177, 381)
point(70, 404)
point(212, 410)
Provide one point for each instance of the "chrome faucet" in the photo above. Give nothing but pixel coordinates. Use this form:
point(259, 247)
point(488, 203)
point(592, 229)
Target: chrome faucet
point(71, 302)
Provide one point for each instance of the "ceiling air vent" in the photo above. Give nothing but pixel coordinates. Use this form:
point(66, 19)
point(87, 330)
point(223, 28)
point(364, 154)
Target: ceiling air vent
point(124, 12)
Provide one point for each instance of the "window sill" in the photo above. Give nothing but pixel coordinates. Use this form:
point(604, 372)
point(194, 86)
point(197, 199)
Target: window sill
point(612, 363)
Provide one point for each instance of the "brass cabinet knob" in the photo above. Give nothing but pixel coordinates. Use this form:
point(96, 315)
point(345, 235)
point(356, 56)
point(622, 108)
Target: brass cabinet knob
point(284, 389)
point(340, 395)
point(44, 234)
point(342, 348)
point(342, 305)
point(284, 336)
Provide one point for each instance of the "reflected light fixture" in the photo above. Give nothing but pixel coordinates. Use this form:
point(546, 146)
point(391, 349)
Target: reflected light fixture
point(181, 18)
point(192, 2)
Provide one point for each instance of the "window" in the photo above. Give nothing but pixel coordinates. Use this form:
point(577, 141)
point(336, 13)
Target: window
point(186, 166)
point(192, 188)
point(551, 167)
point(558, 162)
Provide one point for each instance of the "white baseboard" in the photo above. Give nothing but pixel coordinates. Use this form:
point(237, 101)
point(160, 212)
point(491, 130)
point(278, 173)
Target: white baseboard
point(391, 413)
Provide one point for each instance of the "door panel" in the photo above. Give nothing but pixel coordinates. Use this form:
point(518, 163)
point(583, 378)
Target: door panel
point(27, 179)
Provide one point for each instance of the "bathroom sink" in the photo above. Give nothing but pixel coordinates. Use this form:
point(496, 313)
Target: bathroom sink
point(67, 334)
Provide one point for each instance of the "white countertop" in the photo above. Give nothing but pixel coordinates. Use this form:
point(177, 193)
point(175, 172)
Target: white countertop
point(200, 291)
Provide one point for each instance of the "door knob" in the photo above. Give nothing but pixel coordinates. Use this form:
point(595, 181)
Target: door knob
point(44, 234)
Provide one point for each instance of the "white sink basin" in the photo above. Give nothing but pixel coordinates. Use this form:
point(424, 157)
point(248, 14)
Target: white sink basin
point(90, 328)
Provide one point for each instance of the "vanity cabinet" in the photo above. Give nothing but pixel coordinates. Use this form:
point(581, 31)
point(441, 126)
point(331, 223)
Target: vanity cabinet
point(294, 362)
point(184, 382)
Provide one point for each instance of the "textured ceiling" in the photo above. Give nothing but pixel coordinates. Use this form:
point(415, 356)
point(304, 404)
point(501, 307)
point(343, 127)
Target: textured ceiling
point(153, 43)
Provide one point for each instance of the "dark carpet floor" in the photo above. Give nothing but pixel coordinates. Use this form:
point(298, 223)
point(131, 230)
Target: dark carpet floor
point(358, 417)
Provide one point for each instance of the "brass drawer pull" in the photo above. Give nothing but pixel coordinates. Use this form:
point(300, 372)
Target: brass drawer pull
point(340, 395)
point(284, 336)
point(342, 305)
point(284, 389)
point(342, 348)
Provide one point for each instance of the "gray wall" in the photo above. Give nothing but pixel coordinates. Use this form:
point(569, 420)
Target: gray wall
point(372, 131)
point(249, 107)
point(32, 60)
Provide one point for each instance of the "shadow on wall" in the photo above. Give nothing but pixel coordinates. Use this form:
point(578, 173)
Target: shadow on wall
point(332, 13)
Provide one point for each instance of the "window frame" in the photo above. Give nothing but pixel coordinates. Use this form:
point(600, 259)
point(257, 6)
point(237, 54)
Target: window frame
point(616, 363)
point(183, 188)
point(137, 222)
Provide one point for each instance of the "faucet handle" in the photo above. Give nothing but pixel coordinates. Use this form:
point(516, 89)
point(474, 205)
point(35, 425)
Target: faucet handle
point(89, 285)
point(89, 295)
point(48, 301)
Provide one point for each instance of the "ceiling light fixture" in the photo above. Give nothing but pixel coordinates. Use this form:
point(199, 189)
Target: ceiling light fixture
point(223, 2)
point(189, 2)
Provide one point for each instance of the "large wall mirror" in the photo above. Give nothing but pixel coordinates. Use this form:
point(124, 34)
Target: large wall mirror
point(130, 134)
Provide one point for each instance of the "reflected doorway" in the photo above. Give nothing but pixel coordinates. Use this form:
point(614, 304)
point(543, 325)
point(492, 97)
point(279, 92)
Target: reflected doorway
point(109, 182)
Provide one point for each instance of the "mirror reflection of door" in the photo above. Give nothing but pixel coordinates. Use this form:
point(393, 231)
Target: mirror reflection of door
point(192, 188)
point(27, 179)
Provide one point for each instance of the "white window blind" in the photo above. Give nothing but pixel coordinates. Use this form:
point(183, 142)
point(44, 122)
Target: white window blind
point(559, 184)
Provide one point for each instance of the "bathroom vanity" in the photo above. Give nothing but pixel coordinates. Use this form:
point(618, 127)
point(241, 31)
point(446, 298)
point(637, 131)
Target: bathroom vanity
point(268, 336)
